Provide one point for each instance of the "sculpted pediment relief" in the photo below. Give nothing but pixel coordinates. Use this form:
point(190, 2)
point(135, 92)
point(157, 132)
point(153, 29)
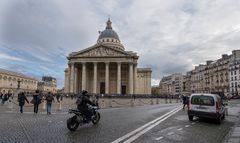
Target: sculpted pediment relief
point(101, 51)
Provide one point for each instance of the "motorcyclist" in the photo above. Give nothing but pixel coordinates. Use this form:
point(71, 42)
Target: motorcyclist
point(82, 104)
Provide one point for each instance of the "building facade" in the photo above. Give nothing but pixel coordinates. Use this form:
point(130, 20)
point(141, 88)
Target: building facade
point(211, 77)
point(106, 68)
point(172, 85)
point(48, 84)
point(12, 81)
point(234, 73)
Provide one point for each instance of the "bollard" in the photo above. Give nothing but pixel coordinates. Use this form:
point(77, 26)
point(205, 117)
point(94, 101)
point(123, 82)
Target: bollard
point(10, 105)
point(60, 106)
point(132, 103)
point(226, 111)
point(157, 102)
point(170, 100)
point(103, 104)
point(44, 105)
point(110, 102)
point(151, 101)
point(166, 101)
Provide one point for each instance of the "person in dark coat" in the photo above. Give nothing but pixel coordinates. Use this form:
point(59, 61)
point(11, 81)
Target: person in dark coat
point(49, 99)
point(82, 105)
point(21, 99)
point(185, 101)
point(36, 101)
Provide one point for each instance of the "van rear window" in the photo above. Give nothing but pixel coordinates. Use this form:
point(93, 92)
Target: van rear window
point(202, 100)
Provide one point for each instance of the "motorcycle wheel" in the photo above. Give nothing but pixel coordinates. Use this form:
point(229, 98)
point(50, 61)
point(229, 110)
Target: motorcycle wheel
point(72, 124)
point(96, 118)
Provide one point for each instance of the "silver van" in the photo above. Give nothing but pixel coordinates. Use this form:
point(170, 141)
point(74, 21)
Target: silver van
point(206, 106)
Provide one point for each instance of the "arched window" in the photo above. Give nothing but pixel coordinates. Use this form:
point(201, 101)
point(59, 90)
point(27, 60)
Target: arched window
point(107, 40)
point(9, 78)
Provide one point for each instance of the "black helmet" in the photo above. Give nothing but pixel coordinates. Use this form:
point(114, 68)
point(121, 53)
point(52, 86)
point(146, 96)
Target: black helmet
point(84, 92)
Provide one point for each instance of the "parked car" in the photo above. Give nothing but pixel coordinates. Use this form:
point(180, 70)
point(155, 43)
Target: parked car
point(235, 97)
point(206, 106)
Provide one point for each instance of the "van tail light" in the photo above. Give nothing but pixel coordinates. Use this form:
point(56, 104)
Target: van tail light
point(217, 107)
point(188, 104)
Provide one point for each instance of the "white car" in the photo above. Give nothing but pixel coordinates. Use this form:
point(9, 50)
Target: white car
point(206, 106)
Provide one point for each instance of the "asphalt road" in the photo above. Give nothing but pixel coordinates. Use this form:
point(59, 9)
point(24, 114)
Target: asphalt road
point(115, 123)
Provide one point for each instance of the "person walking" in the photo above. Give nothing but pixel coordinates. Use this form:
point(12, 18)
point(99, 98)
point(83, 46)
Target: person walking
point(1, 95)
point(4, 97)
point(49, 99)
point(36, 101)
point(185, 101)
point(21, 99)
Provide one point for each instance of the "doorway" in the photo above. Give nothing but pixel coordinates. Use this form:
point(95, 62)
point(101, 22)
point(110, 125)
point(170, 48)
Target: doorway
point(102, 87)
point(124, 89)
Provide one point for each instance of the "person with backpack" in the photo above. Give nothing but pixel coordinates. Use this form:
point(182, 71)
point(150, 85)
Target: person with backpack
point(36, 101)
point(4, 97)
point(49, 99)
point(21, 99)
point(185, 101)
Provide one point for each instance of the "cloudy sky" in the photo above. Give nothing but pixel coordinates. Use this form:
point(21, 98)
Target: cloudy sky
point(169, 35)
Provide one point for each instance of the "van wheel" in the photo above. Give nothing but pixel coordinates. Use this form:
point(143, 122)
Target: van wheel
point(190, 117)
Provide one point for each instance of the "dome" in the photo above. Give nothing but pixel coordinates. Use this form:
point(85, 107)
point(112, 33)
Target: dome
point(108, 32)
point(109, 37)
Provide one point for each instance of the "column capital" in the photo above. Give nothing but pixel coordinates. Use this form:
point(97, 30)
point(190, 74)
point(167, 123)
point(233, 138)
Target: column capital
point(95, 63)
point(83, 63)
point(107, 63)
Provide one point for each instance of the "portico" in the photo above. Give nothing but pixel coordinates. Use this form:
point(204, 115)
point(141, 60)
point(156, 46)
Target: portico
point(105, 68)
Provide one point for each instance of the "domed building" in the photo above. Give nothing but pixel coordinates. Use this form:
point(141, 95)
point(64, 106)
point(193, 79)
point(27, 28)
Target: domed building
point(106, 68)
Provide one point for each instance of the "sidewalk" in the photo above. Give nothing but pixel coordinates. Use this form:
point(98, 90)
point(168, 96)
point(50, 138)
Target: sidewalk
point(234, 134)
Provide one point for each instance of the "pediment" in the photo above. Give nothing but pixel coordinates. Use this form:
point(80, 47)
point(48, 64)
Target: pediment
point(101, 51)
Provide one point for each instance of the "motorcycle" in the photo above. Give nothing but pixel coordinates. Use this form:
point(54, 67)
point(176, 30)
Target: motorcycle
point(80, 119)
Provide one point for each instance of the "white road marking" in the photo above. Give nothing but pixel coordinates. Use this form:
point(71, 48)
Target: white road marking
point(50, 121)
point(170, 133)
point(193, 123)
point(150, 127)
point(179, 129)
point(157, 139)
point(146, 125)
point(187, 126)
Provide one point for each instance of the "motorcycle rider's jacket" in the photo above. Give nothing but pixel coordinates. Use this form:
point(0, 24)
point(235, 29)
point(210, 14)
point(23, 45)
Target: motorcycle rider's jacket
point(82, 103)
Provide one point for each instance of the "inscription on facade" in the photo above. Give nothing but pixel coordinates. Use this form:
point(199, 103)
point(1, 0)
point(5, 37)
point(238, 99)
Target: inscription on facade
point(102, 51)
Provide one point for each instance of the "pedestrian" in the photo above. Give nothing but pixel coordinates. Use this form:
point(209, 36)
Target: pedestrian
point(58, 97)
point(36, 101)
point(1, 95)
point(21, 99)
point(49, 99)
point(185, 101)
point(4, 97)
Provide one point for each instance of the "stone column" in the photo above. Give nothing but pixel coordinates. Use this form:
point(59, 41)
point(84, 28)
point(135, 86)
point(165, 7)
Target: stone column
point(83, 76)
point(119, 78)
point(130, 78)
point(72, 78)
point(135, 78)
point(107, 78)
point(75, 80)
point(95, 78)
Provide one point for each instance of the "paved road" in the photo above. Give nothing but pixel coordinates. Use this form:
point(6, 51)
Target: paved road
point(114, 124)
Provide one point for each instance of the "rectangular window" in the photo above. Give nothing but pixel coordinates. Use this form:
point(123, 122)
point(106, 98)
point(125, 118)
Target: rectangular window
point(202, 100)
